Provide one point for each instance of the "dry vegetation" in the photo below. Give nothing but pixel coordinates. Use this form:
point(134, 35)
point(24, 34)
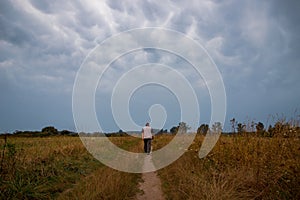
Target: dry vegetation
point(59, 167)
point(239, 167)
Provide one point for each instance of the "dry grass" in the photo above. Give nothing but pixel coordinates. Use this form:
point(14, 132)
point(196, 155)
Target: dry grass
point(129, 143)
point(104, 183)
point(237, 168)
point(52, 167)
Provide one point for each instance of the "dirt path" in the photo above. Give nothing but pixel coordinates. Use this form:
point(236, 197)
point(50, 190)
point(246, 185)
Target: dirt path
point(151, 185)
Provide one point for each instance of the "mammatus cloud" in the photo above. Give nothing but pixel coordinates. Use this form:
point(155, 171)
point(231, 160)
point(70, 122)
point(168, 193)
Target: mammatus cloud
point(42, 44)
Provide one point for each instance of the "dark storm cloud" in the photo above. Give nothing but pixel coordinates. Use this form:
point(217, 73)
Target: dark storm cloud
point(255, 44)
point(11, 29)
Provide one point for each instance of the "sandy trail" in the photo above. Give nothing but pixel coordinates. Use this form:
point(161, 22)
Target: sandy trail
point(151, 185)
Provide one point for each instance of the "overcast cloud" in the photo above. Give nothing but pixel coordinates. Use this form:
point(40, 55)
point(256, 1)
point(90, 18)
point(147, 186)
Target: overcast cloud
point(254, 43)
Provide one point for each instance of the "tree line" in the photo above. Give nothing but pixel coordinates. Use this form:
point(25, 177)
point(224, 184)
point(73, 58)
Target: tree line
point(281, 128)
point(46, 131)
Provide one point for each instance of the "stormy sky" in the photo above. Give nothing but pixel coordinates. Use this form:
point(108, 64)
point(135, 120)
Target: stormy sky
point(255, 45)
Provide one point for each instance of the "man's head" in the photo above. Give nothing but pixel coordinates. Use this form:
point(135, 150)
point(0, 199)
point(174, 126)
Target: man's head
point(147, 124)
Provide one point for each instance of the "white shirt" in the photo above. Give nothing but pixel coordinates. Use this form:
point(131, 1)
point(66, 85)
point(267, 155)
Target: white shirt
point(147, 132)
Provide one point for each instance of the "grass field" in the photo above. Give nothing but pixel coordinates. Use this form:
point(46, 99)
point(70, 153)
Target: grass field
point(239, 167)
point(60, 168)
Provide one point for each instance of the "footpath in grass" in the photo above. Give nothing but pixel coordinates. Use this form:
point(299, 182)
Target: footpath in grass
point(239, 167)
point(107, 183)
point(151, 184)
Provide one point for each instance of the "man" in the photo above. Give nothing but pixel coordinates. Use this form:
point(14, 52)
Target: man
point(147, 137)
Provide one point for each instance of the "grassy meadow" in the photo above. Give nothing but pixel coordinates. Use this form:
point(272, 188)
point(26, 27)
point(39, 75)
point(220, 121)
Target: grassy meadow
point(59, 167)
point(239, 167)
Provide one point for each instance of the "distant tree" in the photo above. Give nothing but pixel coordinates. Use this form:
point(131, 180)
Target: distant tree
point(183, 127)
point(233, 124)
point(65, 132)
point(50, 130)
point(161, 131)
point(260, 128)
point(241, 128)
point(17, 132)
point(217, 127)
point(174, 129)
point(203, 128)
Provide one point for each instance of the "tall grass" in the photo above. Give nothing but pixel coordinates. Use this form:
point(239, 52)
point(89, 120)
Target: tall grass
point(51, 167)
point(237, 168)
point(104, 183)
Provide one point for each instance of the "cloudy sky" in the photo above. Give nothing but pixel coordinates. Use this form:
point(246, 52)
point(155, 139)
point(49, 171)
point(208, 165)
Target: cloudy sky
point(254, 43)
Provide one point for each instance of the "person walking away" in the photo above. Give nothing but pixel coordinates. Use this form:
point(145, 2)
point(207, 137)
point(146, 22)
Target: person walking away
point(147, 137)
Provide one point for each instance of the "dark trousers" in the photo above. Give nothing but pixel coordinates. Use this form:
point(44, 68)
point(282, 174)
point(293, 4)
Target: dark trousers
point(147, 145)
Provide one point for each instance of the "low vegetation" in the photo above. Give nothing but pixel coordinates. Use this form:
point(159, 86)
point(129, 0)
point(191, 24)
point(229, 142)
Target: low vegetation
point(58, 167)
point(254, 164)
point(239, 167)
